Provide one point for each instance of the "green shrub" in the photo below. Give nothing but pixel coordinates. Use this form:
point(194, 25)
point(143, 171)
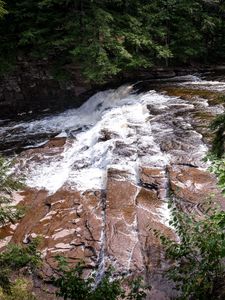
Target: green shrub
point(198, 254)
point(16, 257)
point(8, 184)
point(72, 285)
point(218, 125)
point(20, 290)
point(218, 168)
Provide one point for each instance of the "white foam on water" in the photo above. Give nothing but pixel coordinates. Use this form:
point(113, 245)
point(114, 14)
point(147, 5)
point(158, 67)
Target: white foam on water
point(113, 129)
point(87, 115)
point(185, 78)
point(36, 145)
point(212, 85)
point(84, 163)
point(164, 214)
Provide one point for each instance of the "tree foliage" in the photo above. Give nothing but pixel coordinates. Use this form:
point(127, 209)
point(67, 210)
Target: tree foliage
point(217, 167)
point(13, 259)
point(197, 254)
point(73, 285)
point(20, 290)
point(8, 184)
point(3, 11)
point(106, 37)
point(218, 126)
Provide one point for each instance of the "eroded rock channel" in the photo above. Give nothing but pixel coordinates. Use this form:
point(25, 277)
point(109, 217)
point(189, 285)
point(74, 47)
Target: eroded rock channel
point(94, 190)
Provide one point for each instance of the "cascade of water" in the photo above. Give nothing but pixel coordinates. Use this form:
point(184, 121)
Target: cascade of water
point(117, 128)
point(123, 151)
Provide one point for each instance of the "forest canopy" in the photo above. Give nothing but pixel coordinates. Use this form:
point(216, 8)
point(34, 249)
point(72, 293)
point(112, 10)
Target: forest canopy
point(105, 37)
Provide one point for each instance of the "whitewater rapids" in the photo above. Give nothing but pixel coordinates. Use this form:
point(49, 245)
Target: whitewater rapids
point(116, 128)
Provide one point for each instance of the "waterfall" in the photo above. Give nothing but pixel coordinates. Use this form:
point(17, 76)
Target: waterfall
point(115, 128)
point(108, 179)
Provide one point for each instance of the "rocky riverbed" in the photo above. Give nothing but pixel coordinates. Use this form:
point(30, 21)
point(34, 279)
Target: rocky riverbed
point(99, 177)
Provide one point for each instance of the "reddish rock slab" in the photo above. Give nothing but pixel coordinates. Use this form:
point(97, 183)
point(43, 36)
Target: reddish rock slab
point(154, 178)
point(56, 142)
point(150, 217)
point(69, 222)
point(115, 226)
point(29, 199)
point(132, 213)
point(122, 242)
point(48, 151)
point(193, 187)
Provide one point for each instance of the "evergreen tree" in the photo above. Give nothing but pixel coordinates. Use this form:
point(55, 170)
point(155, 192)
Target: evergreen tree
point(2, 9)
point(106, 37)
point(8, 212)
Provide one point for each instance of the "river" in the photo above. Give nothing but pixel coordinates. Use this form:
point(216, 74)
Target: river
point(99, 176)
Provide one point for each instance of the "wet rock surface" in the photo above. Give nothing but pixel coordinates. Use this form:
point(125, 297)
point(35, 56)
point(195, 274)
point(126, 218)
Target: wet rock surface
point(96, 191)
point(193, 187)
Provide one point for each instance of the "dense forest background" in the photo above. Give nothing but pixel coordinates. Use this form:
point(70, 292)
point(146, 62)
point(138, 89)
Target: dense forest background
point(104, 37)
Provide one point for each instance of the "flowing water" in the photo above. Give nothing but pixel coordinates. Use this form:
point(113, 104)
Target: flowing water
point(123, 129)
point(120, 128)
point(131, 145)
